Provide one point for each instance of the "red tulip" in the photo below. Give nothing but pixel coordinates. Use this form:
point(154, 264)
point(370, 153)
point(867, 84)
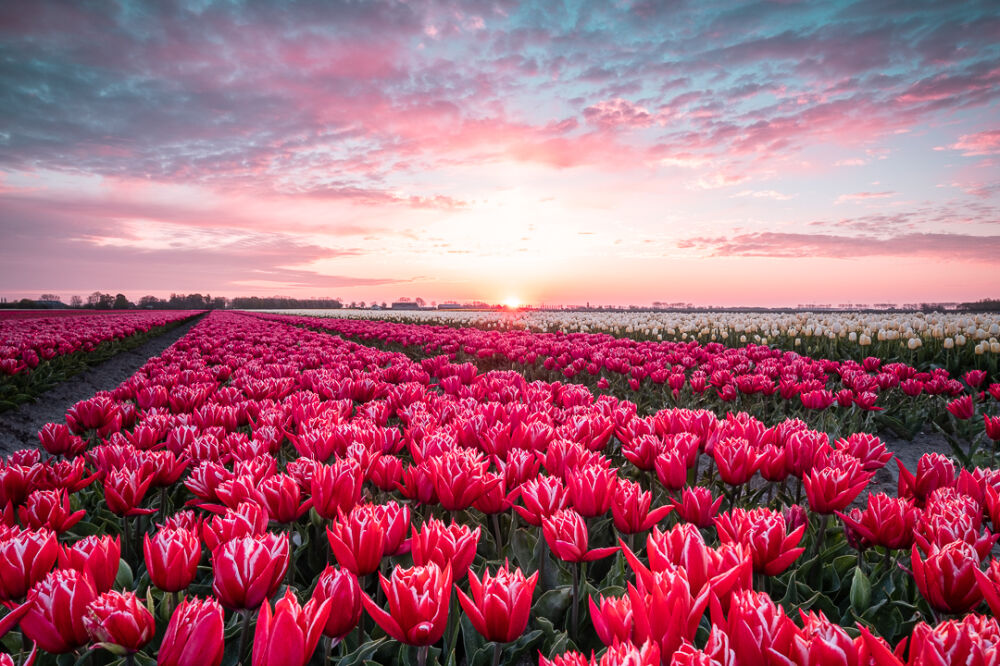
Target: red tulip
point(946, 579)
point(630, 508)
point(358, 540)
point(992, 425)
point(100, 413)
point(281, 497)
point(759, 632)
point(57, 439)
point(290, 635)
point(98, 556)
point(58, 605)
point(341, 587)
point(823, 643)
point(591, 489)
point(647, 654)
point(395, 519)
point(663, 609)
point(500, 604)
point(738, 461)
point(868, 449)
point(671, 469)
point(974, 639)
point(542, 496)
point(697, 506)
point(247, 519)
point(458, 477)
point(418, 604)
point(962, 408)
point(612, 619)
point(819, 399)
point(124, 490)
point(642, 451)
point(566, 534)
point(763, 532)
point(336, 488)
point(888, 521)
point(50, 509)
point(172, 557)
point(934, 471)
point(119, 622)
point(248, 570)
point(682, 546)
point(25, 558)
point(194, 635)
point(443, 545)
point(832, 488)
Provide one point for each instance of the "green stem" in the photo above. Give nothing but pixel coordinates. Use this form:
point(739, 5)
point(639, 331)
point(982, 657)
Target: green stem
point(576, 600)
point(422, 655)
point(130, 659)
point(497, 651)
point(495, 524)
point(244, 635)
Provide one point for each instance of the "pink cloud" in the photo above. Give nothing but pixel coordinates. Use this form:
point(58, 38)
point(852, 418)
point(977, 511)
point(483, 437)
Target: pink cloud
point(980, 143)
point(937, 246)
point(618, 113)
point(864, 196)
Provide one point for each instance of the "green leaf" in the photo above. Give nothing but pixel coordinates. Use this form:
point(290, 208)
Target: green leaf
point(363, 652)
point(553, 604)
point(861, 591)
point(124, 578)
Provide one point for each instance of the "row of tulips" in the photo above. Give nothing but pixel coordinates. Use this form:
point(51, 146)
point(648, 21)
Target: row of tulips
point(38, 352)
point(955, 340)
point(282, 442)
point(839, 396)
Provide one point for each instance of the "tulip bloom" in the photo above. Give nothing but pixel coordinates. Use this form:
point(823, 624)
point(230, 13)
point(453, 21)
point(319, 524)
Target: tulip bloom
point(247, 519)
point(612, 619)
point(124, 490)
point(591, 489)
point(443, 545)
point(671, 469)
point(697, 506)
point(290, 635)
point(341, 587)
point(934, 471)
point(823, 643)
point(25, 558)
point(172, 558)
point(566, 534)
point(336, 488)
point(459, 478)
point(962, 408)
point(418, 604)
point(542, 496)
point(946, 579)
point(249, 570)
point(738, 461)
point(756, 627)
point(98, 556)
point(832, 488)
point(119, 622)
point(358, 540)
point(992, 426)
point(973, 639)
point(630, 508)
point(50, 509)
point(663, 609)
point(58, 605)
point(762, 531)
point(500, 605)
point(194, 635)
point(888, 521)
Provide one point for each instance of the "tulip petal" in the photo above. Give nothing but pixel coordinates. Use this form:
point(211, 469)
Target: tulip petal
point(384, 620)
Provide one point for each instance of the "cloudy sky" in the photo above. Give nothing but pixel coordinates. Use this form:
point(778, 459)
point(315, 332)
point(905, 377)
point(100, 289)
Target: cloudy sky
point(608, 151)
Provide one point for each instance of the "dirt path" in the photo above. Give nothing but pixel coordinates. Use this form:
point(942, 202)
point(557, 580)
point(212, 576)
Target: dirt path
point(19, 427)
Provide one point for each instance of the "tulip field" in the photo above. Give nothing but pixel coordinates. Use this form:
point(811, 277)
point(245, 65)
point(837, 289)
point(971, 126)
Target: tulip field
point(285, 490)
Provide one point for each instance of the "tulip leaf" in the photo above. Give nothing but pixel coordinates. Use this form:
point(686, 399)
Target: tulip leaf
point(861, 591)
point(363, 653)
point(522, 544)
point(553, 604)
point(472, 640)
point(124, 578)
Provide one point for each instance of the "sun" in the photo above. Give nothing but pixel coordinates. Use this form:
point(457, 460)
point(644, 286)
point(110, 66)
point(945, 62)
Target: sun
point(513, 303)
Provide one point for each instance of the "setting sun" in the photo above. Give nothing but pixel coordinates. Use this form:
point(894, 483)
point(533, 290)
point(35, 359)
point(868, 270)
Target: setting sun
point(513, 303)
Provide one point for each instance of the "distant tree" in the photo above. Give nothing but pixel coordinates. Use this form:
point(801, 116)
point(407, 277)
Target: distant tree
point(219, 302)
point(121, 303)
point(75, 301)
point(49, 297)
point(27, 303)
point(149, 302)
point(420, 302)
point(361, 304)
point(383, 304)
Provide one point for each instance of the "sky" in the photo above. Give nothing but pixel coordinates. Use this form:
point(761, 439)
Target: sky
point(617, 151)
